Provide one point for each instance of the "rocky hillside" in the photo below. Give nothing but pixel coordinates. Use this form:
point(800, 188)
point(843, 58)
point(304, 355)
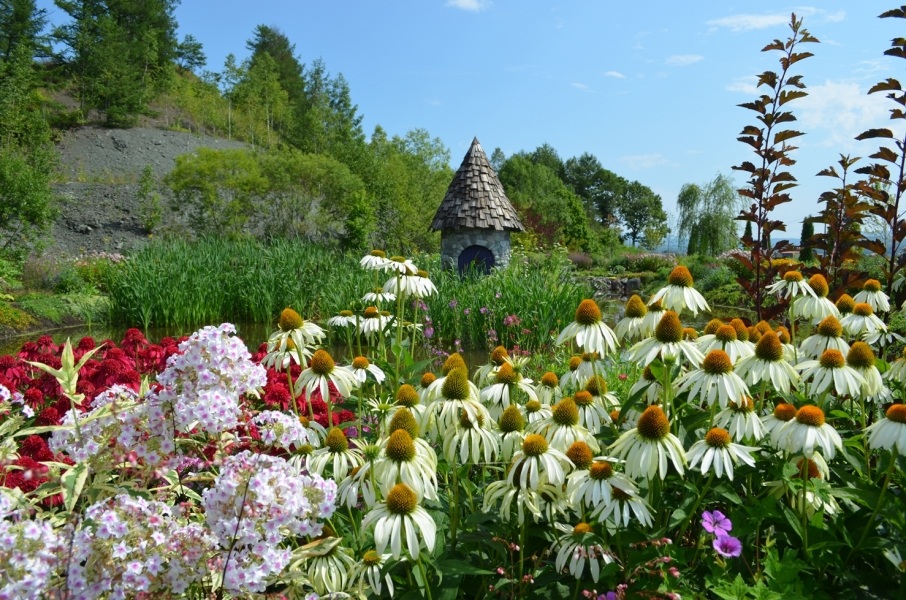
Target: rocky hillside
point(98, 186)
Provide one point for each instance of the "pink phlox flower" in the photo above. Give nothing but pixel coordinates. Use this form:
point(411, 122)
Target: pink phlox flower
point(716, 523)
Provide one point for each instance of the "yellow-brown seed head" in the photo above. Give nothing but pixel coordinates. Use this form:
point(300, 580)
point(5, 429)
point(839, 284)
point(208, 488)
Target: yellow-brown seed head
point(810, 415)
point(582, 528)
point(322, 363)
point(532, 406)
point(506, 374)
point(534, 445)
point(511, 420)
point(360, 362)
point(717, 362)
point(635, 308)
point(422, 273)
point(819, 285)
point(427, 379)
point(401, 500)
point(399, 259)
point(669, 329)
point(742, 332)
point(845, 304)
point(371, 558)
point(304, 420)
point(336, 440)
point(407, 396)
point(860, 356)
point(656, 306)
point(690, 334)
point(590, 357)
point(745, 405)
point(379, 253)
point(371, 312)
point(718, 437)
point(812, 471)
point(499, 355)
point(832, 359)
point(583, 398)
point(566, 412)
point(400, 447)
point(468, 423)
point(784, 334)
point(769, 347)
point(550, 380)
point(289, 320)
point(863, 309)
point(792, 276)
point(830, 327)
point(648, 374)
point(784, 412)
point(725, 333)
point(377, 290)
point(600, 470)
point(754, 334)
point(346, 313)
point(653, 424)
point(456, 385)
point(615, 415)
point(588, 313)
point(680, 276)
point(575, 362)
point(454, 361)
point(404, 420)
point(763, 326)
point(596, 386)
point(712, 327)
point(896, 413)
point(580, 454)
point(872, 285)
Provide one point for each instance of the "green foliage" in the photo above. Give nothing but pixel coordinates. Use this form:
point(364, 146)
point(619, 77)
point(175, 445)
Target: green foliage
point(707, 216)
point(150, 205)
point(21, 26)
point(640, 209)
point(13, 318)
point(805, 241)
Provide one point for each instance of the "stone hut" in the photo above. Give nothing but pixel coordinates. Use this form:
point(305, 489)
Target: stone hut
point(475, 218)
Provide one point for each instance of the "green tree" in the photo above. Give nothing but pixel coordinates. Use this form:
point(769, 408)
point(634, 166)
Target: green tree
point(805, 241)
point(272, 42)
point(22, 24)
point(190, 54)
point(262, 98)
point(596, 186)
point(707, 216)
point(640, 208)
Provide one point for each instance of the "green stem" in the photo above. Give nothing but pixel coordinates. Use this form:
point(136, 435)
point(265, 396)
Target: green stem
point(870, 523)
point(688, 520)
point(424, 571)
point(454, 505)
point(803, 500)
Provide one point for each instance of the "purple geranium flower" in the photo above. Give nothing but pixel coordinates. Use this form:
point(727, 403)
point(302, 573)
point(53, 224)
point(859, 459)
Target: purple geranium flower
point(716, 523)
point(728, 546)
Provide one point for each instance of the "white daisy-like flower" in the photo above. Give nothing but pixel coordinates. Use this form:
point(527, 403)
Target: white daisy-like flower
point(590, 364)
point(337, 454)
point(332, 568)
point(588, 488)
point(714, 382)
point(457, 395)
point(379, 296)
point(827, 336)
point(624, 504)
point(548, 390)
point(890, 432)
point(589, 330)
point(666, 344)
point(790, 285)
point(346, 318)
point(725, 338)
point(648, 385)
point(816, 307)
point(597, 387)
point(525, 500)
point(512, 428)
point(484, 375)
point(862, 360)
point(649, 447)
point(656, 310)
point(897, 370)
point(807, 431)
point(537, 463)
point(362, 368)
point(679, 293)
point(321, 373)
point(358, 486)
point(424, 287)
point(871, 293)
point(500, 394)
point(401, 462)
point(632, 326)
point(293, 342)
point(403, 285)
point(454, 361)
point(593, 415)
point(740, 420)
point(572, 379)
point(376, 260)
point(782, 414)
point(562, 428)
point(718, 453)
point(407, 398)
point(369, 573)
point(471, 441)
point(577, 547)
point(401, 265)
point(373, 322)
point(805, 468)
point(536, 412)
point(831, 373)
point(862, 321)
point(399, 521)
point(768, 365)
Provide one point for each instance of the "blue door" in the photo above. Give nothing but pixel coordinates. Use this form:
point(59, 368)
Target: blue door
point(477, 260)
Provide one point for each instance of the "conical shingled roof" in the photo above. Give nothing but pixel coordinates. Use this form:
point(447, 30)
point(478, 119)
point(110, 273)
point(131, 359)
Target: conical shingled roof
point(475, 198)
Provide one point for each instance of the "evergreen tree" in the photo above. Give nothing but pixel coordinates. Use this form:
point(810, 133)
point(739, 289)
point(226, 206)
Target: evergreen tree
point(21, 24)
point(805, 242)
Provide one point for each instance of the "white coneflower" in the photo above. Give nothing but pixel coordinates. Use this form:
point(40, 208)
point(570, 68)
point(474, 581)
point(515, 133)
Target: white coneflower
point(649, 385)
point(401, 265)
point(358, 485)
point(717, 452)
point(525, 500)
point(827, 336)
point(862, 322)
point(379, 296)
point(624, 504)
point(337, 454)
point(485, 373)
point(872, 294)
point(537, 463)
point(666, 344)
point(597, 387)
point(589, 330)
point(425, 393)
point(500, 394)
point(424, 287)
point(807, 469)
point(369, 573)
point(457, 394)
point(593, 415)
point(535, 411)
point(454, 361)
point(647, 449)
point(400, 462)
point(346, 318)
point(577, 547)
point(815, 307)
point(562, 428)
point(330, 571)
point(471, 441)
point(293, 341)
point(768, 365)
point(376, 260)
point(897, 370)
point(862, 359)
point(725, 338)
point(740, 420)
point(679, 293)
point(590, 364)
point(806, 432)
point(631, 327)
point(321, 373)
point(714, 382)
point(831, 373)
point(406, 285)
point(362, 368)
point(790, 286)
point(512, 428)
point(400, 520)
point(572, 379)
point(373, 323)
point(656, 310)
point(549, 391)
point(407, 398)
point(782, 414)
point(589, 488)
point(889, 432)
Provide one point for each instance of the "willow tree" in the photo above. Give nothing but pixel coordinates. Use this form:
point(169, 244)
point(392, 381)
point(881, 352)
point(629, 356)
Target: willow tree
point(707, 216)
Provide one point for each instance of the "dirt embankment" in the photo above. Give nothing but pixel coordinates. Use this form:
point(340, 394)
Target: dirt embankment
point(98, 185)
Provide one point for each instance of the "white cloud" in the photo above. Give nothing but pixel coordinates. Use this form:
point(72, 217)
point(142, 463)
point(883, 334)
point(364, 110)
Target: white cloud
point(470, 5)
point(835, 112)
point(682, 60)
point(748, 85)
point(644, 161)
point(748, 22)
point(581, 86)
point(615, 74)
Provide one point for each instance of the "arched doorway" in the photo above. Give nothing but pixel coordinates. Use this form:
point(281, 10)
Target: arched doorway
point(476, 259)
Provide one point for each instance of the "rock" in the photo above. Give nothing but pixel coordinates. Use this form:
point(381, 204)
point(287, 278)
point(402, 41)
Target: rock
point(84, 229)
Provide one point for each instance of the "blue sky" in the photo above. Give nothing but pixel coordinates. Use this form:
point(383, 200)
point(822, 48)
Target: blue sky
point(650, 88)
